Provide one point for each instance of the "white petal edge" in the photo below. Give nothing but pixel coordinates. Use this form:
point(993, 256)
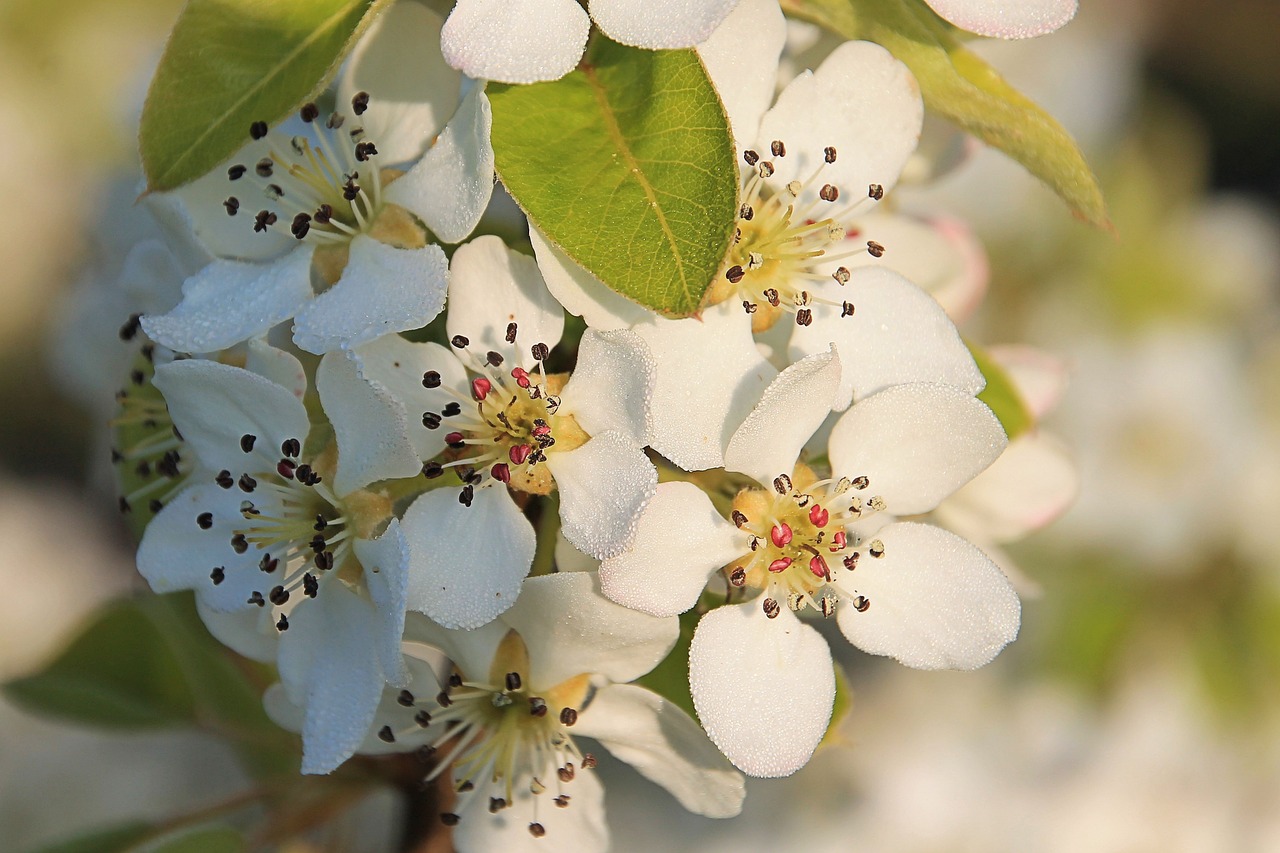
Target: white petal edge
point(581, 828)
point(660, 24)
point(611, 385)
point(281, 367)
point(741, 58)
point(385, 567)
point(1006, 19)
point(604, 486)
point(515, 41)
point(582, 293)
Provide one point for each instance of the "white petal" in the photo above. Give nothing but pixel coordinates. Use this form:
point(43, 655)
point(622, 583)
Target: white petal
point(1040, 377)
point(398, 365)
point(763, 688)
point(251, 633)
point(664, 743)
point(515, 41)
point(661, 24)
point(916, 444)
point(741, 58)
point(329, 666)
point(580, 828)
point(412, 91)
point(680, 541)
point(214, 405)
point(1031, 484)
point(451, 185)
point(281, 367)
point(370, 427)
point(1006, 19)
point(490, 287)
point(385, 564)
point(862, 102)
point(472, 650)
point(231, 301)
point(582, 293)
point(466, 562)
point(611, 385)
point(709, 375)
point(604, 486)
point(570, 628)
point(937, 602)
point(897, 334)
point(791, 408)
point(382, 290)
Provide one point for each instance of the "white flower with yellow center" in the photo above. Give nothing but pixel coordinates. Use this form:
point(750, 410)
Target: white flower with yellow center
point(761, 679)
point(506, 719)
point(324, 206)
point(525, 41)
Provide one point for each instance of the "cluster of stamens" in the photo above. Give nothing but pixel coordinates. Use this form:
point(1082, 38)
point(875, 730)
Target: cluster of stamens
point(501, 427)
point(327, 192)
point(154, 457)
point(777, 241)
point(799, 539)
point(290, 516)
point(498, 735)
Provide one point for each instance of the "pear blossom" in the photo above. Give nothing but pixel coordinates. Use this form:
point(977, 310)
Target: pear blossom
point(276, 531)
point(323, 207)
point(506, 716)
point(798, 542)
point(1007, 19)
point(526, 41)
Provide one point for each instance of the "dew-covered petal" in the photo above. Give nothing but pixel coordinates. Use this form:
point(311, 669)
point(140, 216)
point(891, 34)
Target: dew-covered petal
point(582, 293)
point(570, 628)
point(709, 376)
point(916, 444)
point(471, 651)
point(666, 746)
point(897, 334)
point(680, 540)
point(741, 58)
point(1040, 377)
point(659, 24)
point(466, 562)
point(936, 601)
point(215, 405)
point(604, 486)
point(1006, 19)
point(249, 632)
point(862, 102)
point(515, 41)
point(791, 408)
point(385, 567)
point(763, 688)
point(329, 666)
point(490, 287)
point(231, 301)
point(398, 366)
point(413, 92)
point(1031, 484)
point(580, 828)
point(611, 385)
point(451, 185)
point(382, 290)
point(370, 427)
point(281, 367)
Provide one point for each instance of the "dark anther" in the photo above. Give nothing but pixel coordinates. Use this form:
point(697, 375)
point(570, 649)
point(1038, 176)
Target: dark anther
point(263, 220)
point(443, 700)
point(511, 333)
point(537, 706)
point(205, 520)
point(258, 129)
point(405, 699)
point(875, 191)
point(851, 561)
point(278, 596)
point(422, 718)
point(829, 154)
point(861, 482)
point(782, 484)
point(537, 830)
point(310, 586)
point(300, 226)
point(218, 575)
point(460, 341)
point(496, 804)
point(568, 716)
point(493, 359)
point(264, 167)
point(351, 190)
point(365, 150)
point(513, 681)
point(291, 447)
point(739, 518)
point(431, 420)
point(540, 351)
point(236, 172)
point(323, 214)
point(771, 608)
point(239, 543)
point(143, 469)
point(749, 306)
point(256, 598)
point(232, 204)
point(746, 212)
point(778, 149)
point(771, 295)
point(735, 273)
point(155, 505)
point(561, 801)
point(751, 157)
point(875, 249)
point(467, 495)
point(360, 103)
point(846, 309)
point(431, 379)
point(861, 603)
point(829, 193)
point(455, 680)
point(282, 624)
point(386, 735)
point(588, 761)
point(738, 577)
point(309, 113)
point(431, 470)
point(129, 330)
point(247, 483)
point(324, 561)
point(804, 317)
point(224, 479)
point(335, 121)
point(566, 773)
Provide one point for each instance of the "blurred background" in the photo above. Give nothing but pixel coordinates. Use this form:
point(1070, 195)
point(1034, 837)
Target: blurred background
point(1140, 708)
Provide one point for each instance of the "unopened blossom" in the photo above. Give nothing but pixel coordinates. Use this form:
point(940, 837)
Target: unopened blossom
point(279, 532)
point(506, 716)
point(525, 41)
point(319, 227)
point(761, 678)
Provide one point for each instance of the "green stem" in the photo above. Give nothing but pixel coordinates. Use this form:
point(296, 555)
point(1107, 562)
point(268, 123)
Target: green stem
point(544, 558)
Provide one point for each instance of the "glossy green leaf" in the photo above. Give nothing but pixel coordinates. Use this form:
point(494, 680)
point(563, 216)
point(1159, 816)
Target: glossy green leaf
point(626, 164)
point(960, 86)
point(1002, 395)
point(230, 63)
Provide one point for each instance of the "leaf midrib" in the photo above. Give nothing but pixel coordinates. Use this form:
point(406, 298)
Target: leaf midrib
point(615, 132)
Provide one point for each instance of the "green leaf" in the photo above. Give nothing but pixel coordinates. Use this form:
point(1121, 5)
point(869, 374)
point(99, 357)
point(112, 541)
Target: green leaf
point(215, 839)
point(139, 837)
point(963, 88)
point(230, 63)
point(627, 165)
point(1002, 395)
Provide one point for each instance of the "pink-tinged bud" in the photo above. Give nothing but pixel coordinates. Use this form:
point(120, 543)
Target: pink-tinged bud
point(818, 516)
point(819, 567)
point(839, 541)
point(519, 453)
point(501, 472)
point(780, 535)
point(521, 376)
point(453, 438)
point(541, 430)
point(780, 565)
point(480, 388)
